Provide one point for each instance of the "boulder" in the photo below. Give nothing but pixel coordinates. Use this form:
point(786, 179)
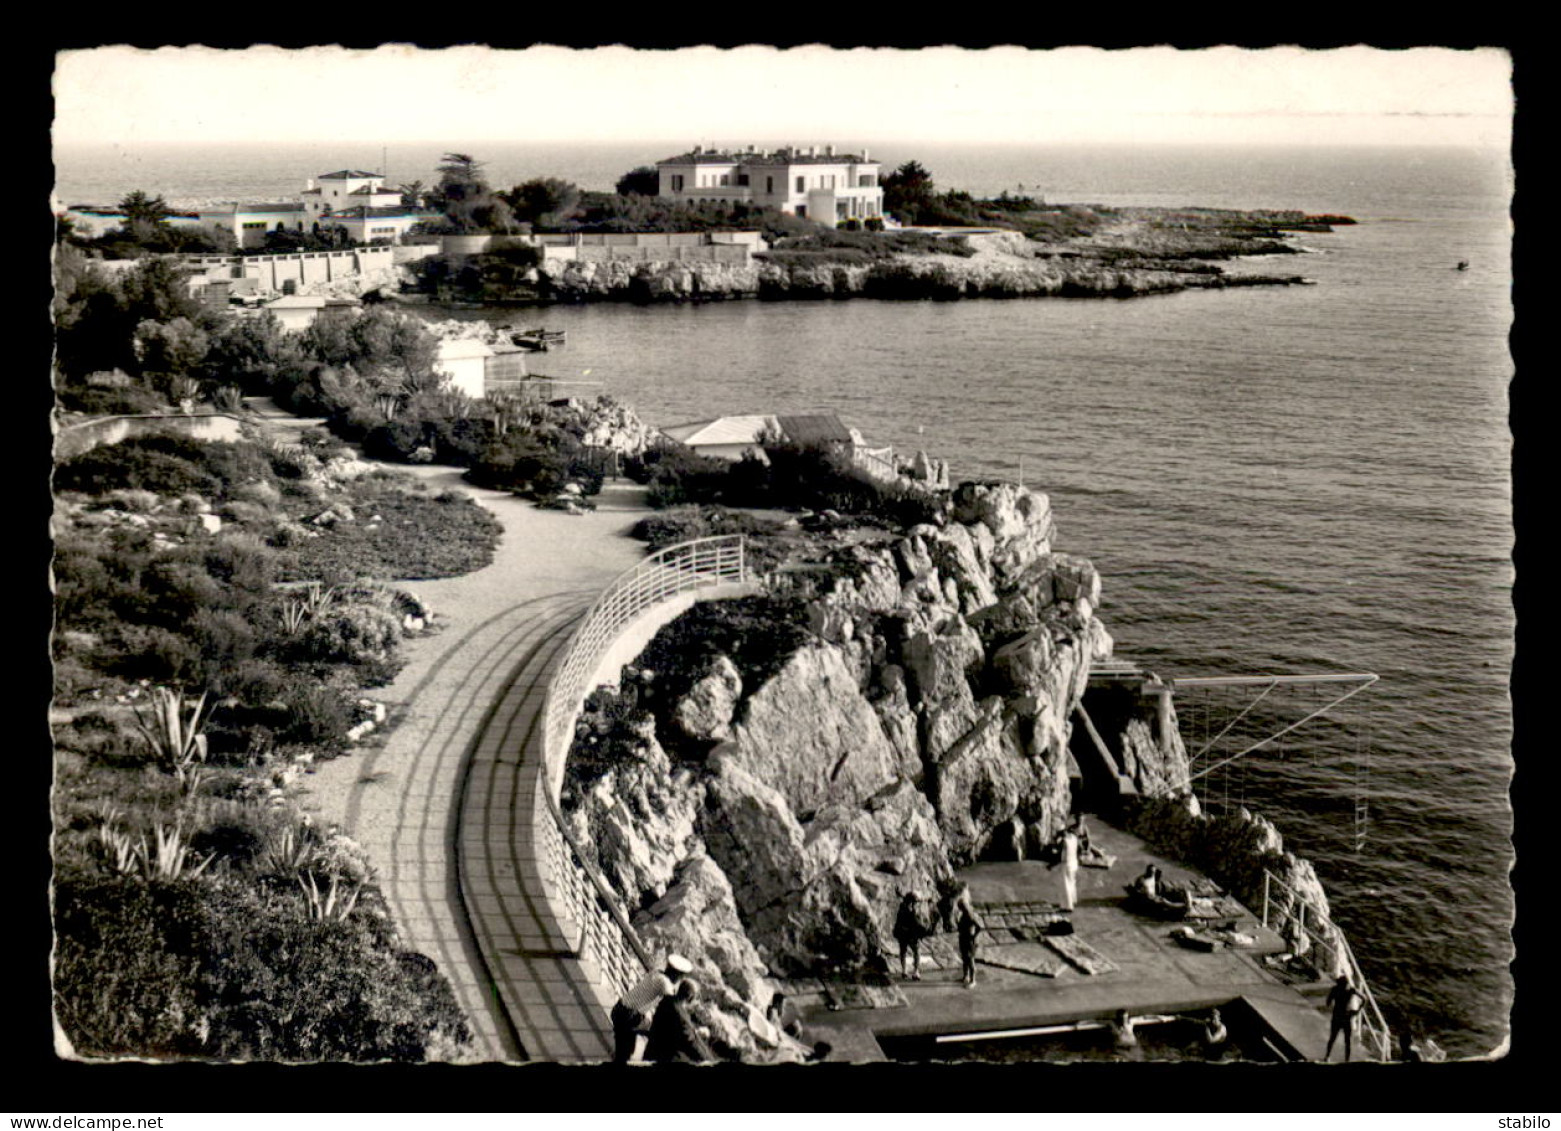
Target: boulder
point(697, 917)
point(705, 712)
point(638, 822)
point(809, 732)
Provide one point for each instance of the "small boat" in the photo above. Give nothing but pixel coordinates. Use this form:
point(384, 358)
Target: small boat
point(540, 340)
point(1463, 265)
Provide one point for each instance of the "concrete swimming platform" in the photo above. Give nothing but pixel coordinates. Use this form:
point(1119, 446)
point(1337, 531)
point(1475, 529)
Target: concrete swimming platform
point(1154, 974)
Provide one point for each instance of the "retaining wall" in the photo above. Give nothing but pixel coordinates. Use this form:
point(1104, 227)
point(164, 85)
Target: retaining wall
point(74, 439)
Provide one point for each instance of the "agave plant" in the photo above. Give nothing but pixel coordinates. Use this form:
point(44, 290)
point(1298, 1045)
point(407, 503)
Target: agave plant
point(334, 903)
point(318, 598)
point(176, 740)
point(119, 851)
point(172, 860)
point(293, 614)
point(287, 851)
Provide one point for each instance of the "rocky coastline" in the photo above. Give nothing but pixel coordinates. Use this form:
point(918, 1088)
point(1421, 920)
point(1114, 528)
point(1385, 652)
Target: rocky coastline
point(1127, 253)
point(906, 711)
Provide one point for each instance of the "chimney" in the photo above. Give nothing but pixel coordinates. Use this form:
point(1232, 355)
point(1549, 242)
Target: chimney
point(829, 151)
point(865, 158)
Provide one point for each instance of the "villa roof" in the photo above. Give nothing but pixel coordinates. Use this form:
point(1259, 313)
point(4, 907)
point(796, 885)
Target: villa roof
point(348, 175)
point(780, 157)
point(370, 190)
point(721, 430)
point(815, 428)
point(285, 206)
point(808, 428)
point(768, 159)
point(452, 348)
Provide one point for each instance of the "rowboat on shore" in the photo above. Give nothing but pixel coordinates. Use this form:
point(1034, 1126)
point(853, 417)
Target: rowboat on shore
point(539, 340)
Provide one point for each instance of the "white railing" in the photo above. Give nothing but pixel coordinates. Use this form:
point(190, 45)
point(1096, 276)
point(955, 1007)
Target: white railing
point(678, 569)
point(605, 934)
point(1325, 936)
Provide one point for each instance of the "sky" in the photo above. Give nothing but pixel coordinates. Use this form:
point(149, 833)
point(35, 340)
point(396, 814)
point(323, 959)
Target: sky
point(1224, 95)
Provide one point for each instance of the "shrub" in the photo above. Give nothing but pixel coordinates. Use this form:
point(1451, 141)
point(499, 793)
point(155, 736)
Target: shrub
point(219, 969)
point(126, 401)
point(355, 634)
point(316, 714)
point(677, 476)
point(143, 651)
point(261, 492)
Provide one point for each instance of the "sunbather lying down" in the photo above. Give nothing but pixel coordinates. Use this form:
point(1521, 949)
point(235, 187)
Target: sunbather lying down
point(1095, 858)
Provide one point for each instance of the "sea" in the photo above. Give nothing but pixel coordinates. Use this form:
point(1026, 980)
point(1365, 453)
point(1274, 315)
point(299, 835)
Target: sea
point(1270, 480)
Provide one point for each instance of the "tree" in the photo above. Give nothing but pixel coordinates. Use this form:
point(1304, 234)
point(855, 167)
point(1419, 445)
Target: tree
point(143, 214)
point(169, 351)
point(908, 191)
point(546, 202)
point(412, 194)
point(466, 198)
point(644, 180)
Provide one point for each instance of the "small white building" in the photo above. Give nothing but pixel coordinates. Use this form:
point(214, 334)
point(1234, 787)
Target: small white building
point(296, 312)
point(345, 189)
point(465, 362)
point(249, 223)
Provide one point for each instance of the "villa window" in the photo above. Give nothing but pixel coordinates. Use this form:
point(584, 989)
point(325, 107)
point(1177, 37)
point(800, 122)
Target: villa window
point(867, 180)
point(742, 178)
point(802, 184)
point(769, 185)
point(827, 181)
point(677, 182)
point(726, 180)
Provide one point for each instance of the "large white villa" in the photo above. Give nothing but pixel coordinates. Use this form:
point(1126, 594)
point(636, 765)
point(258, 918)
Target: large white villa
point(825, 186)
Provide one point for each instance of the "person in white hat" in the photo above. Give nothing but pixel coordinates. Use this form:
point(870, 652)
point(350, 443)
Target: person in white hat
point(632, 1016)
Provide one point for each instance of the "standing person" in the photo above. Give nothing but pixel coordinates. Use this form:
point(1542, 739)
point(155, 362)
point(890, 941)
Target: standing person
point(632, 1016)
point(1069, 862)
point(969, 927)
point(1346, 1002)
point(909, 930)
point(1081, 830)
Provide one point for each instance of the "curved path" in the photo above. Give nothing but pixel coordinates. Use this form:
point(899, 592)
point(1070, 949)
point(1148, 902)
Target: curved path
point(481, 679)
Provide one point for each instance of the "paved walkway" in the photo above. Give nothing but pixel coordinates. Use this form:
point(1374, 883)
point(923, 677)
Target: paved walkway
point(463, 709)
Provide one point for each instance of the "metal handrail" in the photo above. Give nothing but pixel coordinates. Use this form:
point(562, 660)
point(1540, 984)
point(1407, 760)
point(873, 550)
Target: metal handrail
point(699, 563)
point(1376, 1025)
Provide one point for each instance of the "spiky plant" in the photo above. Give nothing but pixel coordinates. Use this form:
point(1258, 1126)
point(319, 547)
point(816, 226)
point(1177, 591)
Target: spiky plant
point(119, 851)
point(318, 598)
point(175, 739)
point(287, 851)
point(293, 613)
point(334, 903)
point(172, 860)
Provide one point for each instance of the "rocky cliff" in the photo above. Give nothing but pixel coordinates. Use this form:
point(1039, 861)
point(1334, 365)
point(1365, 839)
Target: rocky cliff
point(919, 723)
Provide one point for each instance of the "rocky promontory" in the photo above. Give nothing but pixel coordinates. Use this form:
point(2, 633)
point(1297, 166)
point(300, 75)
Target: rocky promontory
point(912, 718)
point(774, 772)
point(1101, 252)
